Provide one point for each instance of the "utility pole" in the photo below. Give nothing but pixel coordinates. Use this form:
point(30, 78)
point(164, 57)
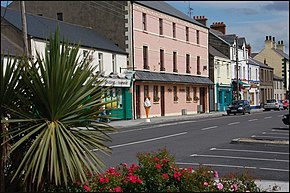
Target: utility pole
point(24, 27)
point(237, 67)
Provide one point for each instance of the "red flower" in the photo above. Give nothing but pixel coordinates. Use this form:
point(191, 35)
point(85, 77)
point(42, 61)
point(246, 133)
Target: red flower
point(177, 175)
point(133, 179)
point(139, 180)
point(118, 189)
point(189, 169)
point(102, 180)
point(158, 166)
point(165, 176)
point(86, 187)
point(106, 179)
point(90, 174)
point(156, 159)
point(165, 160)
point(111, 170)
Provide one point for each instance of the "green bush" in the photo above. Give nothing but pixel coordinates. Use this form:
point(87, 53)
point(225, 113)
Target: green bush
point(157, 172)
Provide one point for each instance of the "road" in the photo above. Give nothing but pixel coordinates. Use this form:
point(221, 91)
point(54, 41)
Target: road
point(208, 141)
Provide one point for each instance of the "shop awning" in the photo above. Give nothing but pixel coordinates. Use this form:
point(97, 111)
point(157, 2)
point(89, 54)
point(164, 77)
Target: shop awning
point(167, 77)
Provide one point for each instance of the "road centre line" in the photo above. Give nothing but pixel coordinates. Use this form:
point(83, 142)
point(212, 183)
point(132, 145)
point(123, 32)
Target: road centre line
point(234, 123)
point(231, 166)
point(209, 128)
point(148, 140)
point(247, 150)
point(253, 120)
point(233, 157)
point(267, 117)
point(275, 133)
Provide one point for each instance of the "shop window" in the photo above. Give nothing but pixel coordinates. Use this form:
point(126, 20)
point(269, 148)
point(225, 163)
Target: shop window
point(114, 95)
point(188, 97)
point(155, 94)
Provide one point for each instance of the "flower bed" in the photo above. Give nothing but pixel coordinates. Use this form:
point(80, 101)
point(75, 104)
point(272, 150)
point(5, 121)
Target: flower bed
point(157, 172)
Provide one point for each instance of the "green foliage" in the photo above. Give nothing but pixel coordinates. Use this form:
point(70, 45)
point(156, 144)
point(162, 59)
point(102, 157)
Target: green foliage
point(56, 100)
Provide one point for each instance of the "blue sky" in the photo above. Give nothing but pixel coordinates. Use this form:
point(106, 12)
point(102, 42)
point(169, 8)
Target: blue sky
point(253, 20)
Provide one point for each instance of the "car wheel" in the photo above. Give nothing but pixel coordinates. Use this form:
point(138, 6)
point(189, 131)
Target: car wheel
point(243, 112)
point(249, 112)
point(235, 113)
point(228, 113)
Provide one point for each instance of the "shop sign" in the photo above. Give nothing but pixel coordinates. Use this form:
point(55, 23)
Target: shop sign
point(116, 82)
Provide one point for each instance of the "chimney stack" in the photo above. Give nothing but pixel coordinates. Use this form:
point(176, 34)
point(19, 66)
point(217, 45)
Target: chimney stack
point(201, 19)
point(268, 42)
point(219, 26)
point(248, 46)
point(274, 43)
point(281, 46)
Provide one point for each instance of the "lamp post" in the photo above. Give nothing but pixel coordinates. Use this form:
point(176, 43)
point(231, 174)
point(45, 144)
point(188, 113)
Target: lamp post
point(237, 67)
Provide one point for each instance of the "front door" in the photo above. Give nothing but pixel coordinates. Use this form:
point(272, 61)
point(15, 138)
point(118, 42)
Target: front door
point(138, 102)
point(202, 99)
point(162, 101)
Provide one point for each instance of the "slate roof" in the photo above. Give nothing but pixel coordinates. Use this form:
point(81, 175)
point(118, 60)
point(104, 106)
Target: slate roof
point(9, 47)
point(215, 52)
point(262, 64)
point(168, 9)
point(41, 27)
point(275, 77)
point(283, 54)
point(167, 77)
point(251, 61)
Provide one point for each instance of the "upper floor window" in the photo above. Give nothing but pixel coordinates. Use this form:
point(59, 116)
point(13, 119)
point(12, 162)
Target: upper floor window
point(174, 30)
point(144, 21)
point(197, 36)
point(160, 26)
point(198, 65)
point(114, 63)
point(228, 70)
point(100, 62)
point(261, 74)
point(145, 57)
point(60, 16)
point(175, 62)
point(162, 60)
point(256, 74)
point(187, 63)
point(187, 34)
point(244, 72)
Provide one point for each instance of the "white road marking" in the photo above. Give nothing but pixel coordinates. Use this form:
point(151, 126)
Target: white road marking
point(148, 140)
point(265, 136)
point(283, 131)
point(247, 150)
point(280, 115)
point(253, 120)
point(209, 128)
point(231, 166)
point(245, 158)
point(234, 123)
point(275, 133)
point(267, 117)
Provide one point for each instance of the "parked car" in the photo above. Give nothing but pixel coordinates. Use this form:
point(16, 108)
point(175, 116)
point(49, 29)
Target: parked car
point(239, 106)
point(286, 119)
point(273, 104)
point(286, 104)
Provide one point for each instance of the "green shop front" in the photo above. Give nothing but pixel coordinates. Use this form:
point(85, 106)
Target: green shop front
point(121, 94)
point(224, 96)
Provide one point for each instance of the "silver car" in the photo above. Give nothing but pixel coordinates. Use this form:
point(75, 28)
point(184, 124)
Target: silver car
point(273, 104)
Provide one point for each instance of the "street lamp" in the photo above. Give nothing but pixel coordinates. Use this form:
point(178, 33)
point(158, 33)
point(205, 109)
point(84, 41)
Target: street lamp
point(237, 68)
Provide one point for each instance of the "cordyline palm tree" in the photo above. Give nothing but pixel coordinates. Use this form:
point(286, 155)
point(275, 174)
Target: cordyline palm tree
point(61, 100)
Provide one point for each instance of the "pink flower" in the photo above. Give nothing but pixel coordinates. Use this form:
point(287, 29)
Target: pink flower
point(165, 160)
point(235, 187)
point(220, 186)
point(118, 189)
point(189, 169)
point(177, 175)
point(165, 176)
point(205, 184)
point(156, 159)
point(106, 179)
point(111, 170)
point(158, 166)
point(102, 180)
point(216, 174)
point(139, 180)
point(125, 164)
point(133, 179)
point(86, 187)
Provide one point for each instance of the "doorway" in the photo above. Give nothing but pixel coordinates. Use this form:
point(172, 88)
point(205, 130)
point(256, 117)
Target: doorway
point(138, 102)
point(202, 99)
point(162, 101)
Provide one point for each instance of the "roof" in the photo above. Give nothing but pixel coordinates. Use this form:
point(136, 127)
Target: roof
point(41, 27)
point(254, 54)
point(251, 61)
point(262, 64)
point(230, 38)
point(215, 52)
point(9, 47)
point(167, 77)
point(283, 54)
point(275, 77)
point(168, 9)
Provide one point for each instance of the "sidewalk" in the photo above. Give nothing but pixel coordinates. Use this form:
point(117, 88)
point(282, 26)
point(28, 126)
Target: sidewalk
point(265, 185)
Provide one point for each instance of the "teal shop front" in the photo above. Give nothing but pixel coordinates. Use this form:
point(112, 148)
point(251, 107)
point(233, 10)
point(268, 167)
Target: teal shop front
point(121, 93)
point(224, 96)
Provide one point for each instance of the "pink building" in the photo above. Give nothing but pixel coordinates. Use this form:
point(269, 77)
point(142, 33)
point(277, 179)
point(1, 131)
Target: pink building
point(170, 61)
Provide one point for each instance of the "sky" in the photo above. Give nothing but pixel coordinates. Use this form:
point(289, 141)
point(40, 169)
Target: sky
point(253, 20)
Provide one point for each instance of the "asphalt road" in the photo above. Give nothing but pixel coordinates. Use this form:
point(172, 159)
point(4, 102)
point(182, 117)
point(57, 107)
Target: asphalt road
point(208, 141)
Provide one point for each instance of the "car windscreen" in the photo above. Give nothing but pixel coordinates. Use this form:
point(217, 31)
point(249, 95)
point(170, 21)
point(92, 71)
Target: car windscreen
point(271, 101)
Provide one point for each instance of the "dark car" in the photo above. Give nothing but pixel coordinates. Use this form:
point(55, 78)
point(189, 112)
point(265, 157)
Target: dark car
point(286, 119)
point(239, 106)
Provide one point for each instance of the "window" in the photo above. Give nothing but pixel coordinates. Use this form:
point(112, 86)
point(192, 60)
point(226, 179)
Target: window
point(187, 33)
point(256, 74)
point(175, 62)
point(146, 91)
point(114, 63)
point(162, 60)
point(85, 53)
point(240, 72)
point(60, 16)
point(39, 14)
point(145, 57)
point(250, 74)
point(160, 26)
point(218, 70)
point(197, 36)
point(155, 94)
point(100, 62)
point(194, 92)
point(115, 95)
point(144, 21)
point(188, 97)
point(174, 30)
point(228, 70)
point(175, 97)
point(198, 65)
point(262, 75)
point(244, 72)
point(187, 63)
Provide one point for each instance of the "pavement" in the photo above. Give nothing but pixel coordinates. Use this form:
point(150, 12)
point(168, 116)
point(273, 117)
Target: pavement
point(265, 185)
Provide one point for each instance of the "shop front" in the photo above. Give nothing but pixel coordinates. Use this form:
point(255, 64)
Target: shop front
point(254, 95)
point(224, 96)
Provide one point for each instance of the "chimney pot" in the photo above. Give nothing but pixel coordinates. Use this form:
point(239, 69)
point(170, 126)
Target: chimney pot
point(266, 37)
point(270, 37)
point(273, 39)
point(278, 42)
point(282, 42)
